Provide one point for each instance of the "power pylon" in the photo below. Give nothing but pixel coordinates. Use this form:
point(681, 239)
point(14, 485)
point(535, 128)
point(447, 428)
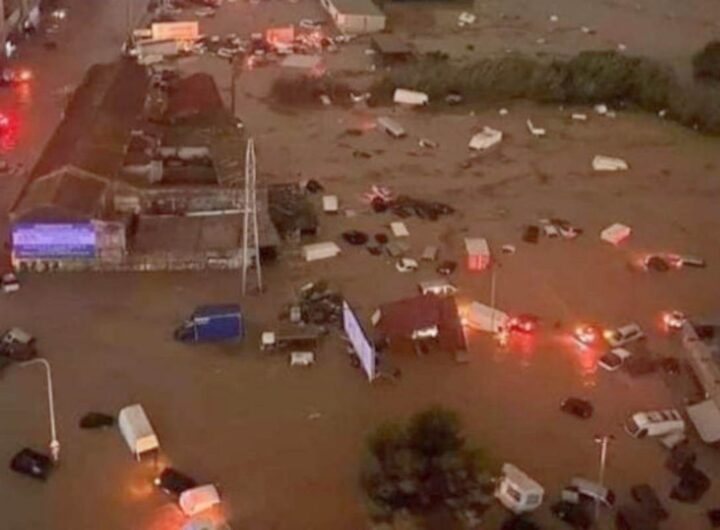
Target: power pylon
point(250, 221)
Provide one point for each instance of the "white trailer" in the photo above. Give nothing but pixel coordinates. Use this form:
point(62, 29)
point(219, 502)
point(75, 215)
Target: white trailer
point(517, 491)
point(137, 431)
point(404, 96)
point(485, 318)
point(318, 251)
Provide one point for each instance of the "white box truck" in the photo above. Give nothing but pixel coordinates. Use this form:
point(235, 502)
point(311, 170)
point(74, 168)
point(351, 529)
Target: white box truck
point(137, 431)
point(485, 318)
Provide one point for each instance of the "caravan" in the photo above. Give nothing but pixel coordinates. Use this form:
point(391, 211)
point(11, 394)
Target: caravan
point(517, 491)
point(137, 431)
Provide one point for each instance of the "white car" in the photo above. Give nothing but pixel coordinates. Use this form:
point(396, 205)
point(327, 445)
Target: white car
point(614, 359)
point(10, 283)
point(623, 335)
point(406, 265)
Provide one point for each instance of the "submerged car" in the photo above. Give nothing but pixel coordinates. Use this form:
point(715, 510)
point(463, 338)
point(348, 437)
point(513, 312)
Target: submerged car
point(577, 407)
point(692, 486)
point(586, 335)
point(173, 482)
point(576, 515)
point(31, 463)
point(645, 495)
point(623, 335)
point(523, 323)
point(18, 345)
point(614, 359)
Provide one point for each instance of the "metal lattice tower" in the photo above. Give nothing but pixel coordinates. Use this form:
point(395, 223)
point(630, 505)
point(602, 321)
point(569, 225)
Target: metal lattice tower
point(251, 241)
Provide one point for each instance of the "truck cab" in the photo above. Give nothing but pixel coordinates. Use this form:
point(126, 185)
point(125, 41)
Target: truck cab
point(210, 323)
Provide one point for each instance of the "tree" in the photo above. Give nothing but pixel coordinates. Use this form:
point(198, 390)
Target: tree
point(706, 62)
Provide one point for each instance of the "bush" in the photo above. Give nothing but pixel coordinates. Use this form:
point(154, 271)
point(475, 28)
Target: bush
point(706, 62)
point(420, 465)
point(599, 76)
point(306, 90)
point(588, 78)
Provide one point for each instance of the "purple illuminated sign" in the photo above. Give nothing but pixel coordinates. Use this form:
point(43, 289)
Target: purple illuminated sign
point(53, 240)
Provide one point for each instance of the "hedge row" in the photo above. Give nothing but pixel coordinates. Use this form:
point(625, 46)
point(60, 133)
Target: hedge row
point(588, 78)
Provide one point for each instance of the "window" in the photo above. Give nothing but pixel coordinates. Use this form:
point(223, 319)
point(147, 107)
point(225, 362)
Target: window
point(514, 494)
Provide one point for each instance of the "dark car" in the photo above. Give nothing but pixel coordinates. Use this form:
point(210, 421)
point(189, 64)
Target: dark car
point(531, 234)
point(524, 323)
point(648, 499)
point(446, 267)
point(18, 345)
point(692, 486)
point(96, 420)
point(355, 237)
point(31, 463)
point(639, 365)
point(173, 482)
point(576, 515)
point(519, 522)
point(577, 407)
point(631, 517)
point(681, 457)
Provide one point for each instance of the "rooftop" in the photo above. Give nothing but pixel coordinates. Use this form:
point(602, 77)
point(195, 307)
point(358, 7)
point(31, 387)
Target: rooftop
point(401, 318)
point(357, 7)
point(67, 194)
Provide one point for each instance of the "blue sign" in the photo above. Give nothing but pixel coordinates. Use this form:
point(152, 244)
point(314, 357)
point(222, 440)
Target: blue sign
point(53, 240)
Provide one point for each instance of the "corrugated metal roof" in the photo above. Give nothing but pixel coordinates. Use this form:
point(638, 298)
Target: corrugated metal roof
point(357, 7)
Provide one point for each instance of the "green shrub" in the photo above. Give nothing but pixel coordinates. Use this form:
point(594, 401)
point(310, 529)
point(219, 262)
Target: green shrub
point(706, 62)
point(652, 85)
point(306, 90)
point(599, 76)
point(435, 432)
point(420, 465)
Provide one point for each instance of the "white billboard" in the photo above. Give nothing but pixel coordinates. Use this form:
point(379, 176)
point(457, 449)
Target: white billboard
point(364, 349)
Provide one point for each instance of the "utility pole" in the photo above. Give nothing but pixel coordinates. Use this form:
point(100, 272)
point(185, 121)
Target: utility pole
point(250, 221)
point(54, 443)
point(604, 440)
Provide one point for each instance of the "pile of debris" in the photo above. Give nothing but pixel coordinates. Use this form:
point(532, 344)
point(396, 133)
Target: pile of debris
point(382, 199)
point(552, 228)
point(317, 305)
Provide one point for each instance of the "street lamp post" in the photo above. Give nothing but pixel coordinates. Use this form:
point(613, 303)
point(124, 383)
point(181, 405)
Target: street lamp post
point(604, 440)
point(54, 443)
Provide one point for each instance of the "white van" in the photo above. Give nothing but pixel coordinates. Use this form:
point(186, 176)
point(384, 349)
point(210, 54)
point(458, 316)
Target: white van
point(517, 491)
point(199, 499)
point(623, 335)
point(137, 431)
point(654, 423)
point(439, 287)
